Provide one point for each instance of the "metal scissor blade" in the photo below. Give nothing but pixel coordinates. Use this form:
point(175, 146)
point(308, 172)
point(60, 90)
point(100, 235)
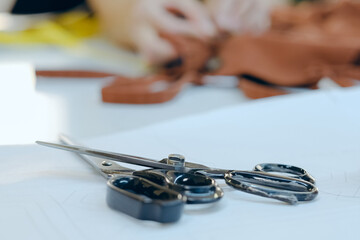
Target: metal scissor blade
point(117, 157)
point(106, 168)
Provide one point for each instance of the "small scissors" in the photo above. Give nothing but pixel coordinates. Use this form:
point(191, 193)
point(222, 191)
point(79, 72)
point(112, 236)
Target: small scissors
point(159, 193)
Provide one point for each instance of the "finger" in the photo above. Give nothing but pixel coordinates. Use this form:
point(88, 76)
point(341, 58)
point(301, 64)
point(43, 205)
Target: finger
point(212, 6)
point(167, 22)
point(255, 17)
point(224, 16)
point(196, 14)
point(154, 49)
point(264, 20)
point(243, 13)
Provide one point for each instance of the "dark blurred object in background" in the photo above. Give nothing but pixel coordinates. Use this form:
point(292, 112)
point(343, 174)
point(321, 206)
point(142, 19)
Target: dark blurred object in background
point(43, 6)
point(300, 1)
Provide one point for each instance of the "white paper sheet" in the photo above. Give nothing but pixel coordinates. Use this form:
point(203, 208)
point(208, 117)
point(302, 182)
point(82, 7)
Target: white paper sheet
point(25, 113)
point(50, 194)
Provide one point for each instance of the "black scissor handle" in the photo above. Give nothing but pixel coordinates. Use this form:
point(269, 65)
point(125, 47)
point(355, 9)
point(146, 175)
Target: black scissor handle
point(286, 189)
point(143, 199)
point(196, 187)
point(297, 172)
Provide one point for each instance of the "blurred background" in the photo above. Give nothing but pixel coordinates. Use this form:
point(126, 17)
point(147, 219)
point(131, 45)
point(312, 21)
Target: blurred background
point(126, 38)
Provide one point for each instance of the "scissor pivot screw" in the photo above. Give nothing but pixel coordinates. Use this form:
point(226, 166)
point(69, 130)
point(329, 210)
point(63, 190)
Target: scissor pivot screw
point(176, 160)
point(106, 163)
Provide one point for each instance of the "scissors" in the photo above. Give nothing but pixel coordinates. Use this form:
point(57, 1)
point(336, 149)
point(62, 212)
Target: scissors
point(159, 193)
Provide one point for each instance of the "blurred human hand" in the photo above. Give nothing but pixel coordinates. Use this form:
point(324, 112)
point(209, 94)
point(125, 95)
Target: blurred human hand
point(241, 16)
point(183, 17)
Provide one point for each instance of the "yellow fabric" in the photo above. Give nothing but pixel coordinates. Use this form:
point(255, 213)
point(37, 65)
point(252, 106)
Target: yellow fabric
point(67, 29)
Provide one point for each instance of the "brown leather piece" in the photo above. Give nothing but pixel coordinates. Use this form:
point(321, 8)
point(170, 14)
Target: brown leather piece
point(316, 19)
point(146, 90)
point(344, 82)
point(72, 74)
point(255, 90)
point(284, 59)
point(192, 54)
point(304, 44)
point(155, 88)
point(170, 80)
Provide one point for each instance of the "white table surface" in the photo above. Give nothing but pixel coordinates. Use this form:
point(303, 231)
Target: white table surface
point(51, 194)
point(68, 202)
point(74, 105)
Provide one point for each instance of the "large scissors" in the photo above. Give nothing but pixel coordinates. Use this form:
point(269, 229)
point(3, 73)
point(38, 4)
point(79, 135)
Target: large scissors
point(159, 193)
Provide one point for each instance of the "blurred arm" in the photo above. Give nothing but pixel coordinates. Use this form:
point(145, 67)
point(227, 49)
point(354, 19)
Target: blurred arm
point(116, 19)
point(6, 5)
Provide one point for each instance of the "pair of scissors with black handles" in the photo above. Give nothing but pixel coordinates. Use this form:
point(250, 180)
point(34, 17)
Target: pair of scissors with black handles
point(160, 192)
